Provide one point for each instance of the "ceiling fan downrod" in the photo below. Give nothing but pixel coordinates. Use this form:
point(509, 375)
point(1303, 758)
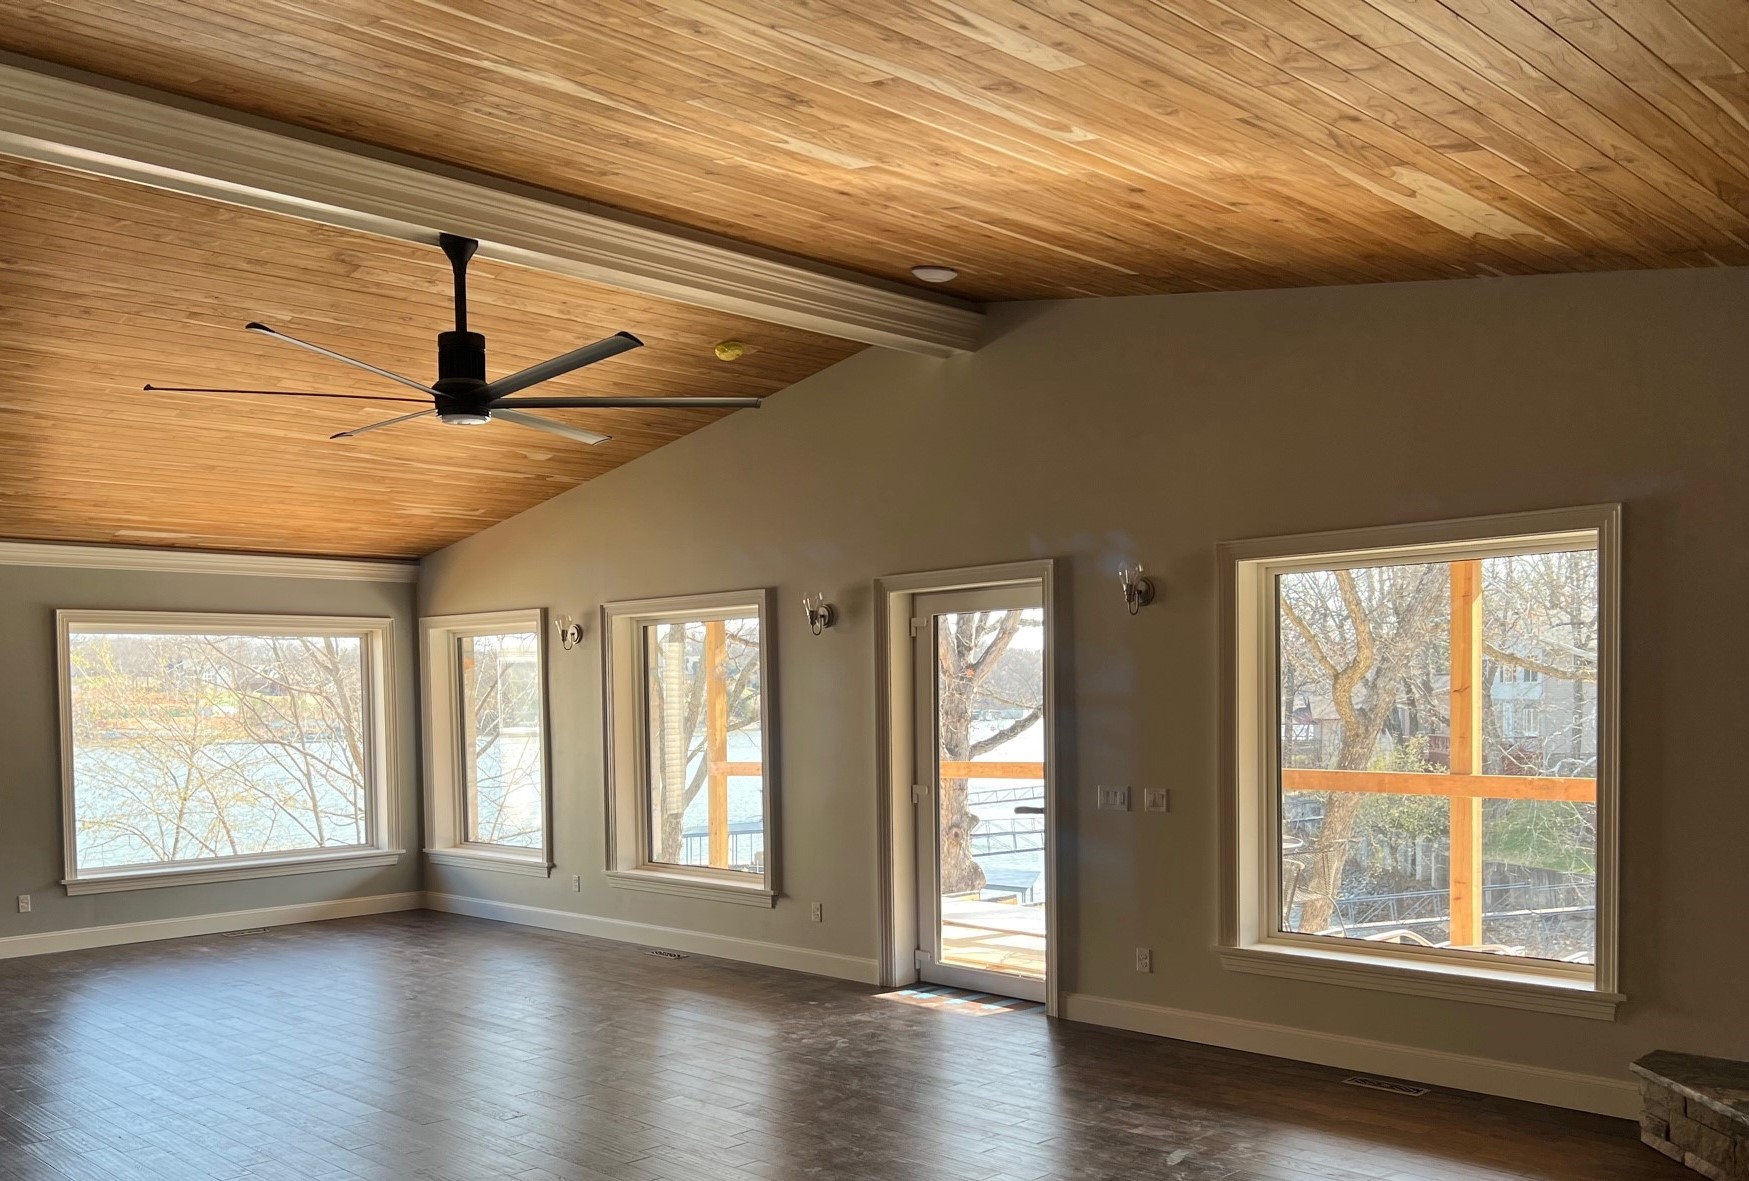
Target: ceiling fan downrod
point(461, 355)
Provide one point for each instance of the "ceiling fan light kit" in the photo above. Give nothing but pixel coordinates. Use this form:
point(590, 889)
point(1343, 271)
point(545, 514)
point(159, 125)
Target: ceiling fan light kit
point(463, 396)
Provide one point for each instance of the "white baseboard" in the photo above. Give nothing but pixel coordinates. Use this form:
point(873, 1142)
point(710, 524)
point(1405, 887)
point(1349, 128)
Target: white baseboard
point(751, 951)
point(115, 934)
point(1513, 1080)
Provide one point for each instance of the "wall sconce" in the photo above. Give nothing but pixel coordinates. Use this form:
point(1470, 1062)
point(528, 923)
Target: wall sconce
point(821, 614)
point(1138, 591)
point(570, 632)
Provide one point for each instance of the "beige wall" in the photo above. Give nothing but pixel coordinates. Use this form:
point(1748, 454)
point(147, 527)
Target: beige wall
point(1153, 428)
point(30, 776)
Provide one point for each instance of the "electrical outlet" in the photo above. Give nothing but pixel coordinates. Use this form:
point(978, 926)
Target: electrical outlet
point(1114, 799)
point(1144, 960)
point(576, 883)
point(24, 904)
point(819, 912)
point(1156, 799)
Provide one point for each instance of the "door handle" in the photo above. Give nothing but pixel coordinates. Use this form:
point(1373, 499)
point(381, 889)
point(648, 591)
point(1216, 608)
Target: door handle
point(1024, 810)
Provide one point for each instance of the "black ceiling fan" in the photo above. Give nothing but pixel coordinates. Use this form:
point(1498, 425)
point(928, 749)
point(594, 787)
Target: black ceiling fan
point(461, 395)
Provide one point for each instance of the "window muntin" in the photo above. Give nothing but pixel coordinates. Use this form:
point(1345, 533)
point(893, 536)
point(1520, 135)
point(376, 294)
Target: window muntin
point(690, 736)
point(502, 744)
point(705, 786)
point(201, 742)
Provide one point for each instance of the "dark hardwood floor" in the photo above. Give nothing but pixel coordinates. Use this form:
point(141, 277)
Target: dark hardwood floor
point(430, 1046)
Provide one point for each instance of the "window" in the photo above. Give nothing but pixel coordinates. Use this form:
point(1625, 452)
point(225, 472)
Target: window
point(1409, 805)
point(214, 747)
point(488, 802)
point(689, 746)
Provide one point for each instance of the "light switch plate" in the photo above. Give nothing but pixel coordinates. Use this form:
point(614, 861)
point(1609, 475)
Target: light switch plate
point(1156, 799)
point(1114, 799)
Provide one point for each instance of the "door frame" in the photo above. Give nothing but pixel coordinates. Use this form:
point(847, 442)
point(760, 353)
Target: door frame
point(895, 747)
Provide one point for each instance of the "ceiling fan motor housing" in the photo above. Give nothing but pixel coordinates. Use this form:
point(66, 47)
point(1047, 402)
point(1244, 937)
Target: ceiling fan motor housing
point(461, 358)
point(461, 374)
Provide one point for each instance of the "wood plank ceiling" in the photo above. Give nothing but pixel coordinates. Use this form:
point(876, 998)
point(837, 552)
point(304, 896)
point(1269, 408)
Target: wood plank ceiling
point(1045, 147)
point(106, 286)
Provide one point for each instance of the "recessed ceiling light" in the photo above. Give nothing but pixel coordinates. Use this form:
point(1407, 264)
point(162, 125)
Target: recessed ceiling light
point(930, 274)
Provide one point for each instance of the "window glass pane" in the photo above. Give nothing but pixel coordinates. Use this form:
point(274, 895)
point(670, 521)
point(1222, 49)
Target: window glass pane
point(194, 747)
point(1438, 754)
point(501, 739)
point(706, 780)
point(990, 749)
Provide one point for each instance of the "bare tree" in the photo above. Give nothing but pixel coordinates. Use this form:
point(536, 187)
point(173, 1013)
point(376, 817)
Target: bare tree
point(971, 647)
point(501, 726)
point(189, 746)
point(1371, 646)
point(678, 702)
point(1356, 634)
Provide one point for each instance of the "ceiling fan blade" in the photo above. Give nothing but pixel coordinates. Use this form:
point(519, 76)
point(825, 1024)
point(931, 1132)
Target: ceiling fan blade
point(341, 357)
point(557, 428)
point(377, 426)
point(601, 350)
point(185, 389)
point(626, 403)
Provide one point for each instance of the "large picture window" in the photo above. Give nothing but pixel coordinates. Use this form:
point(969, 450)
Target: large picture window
point(689, 735)
point(486, 757)
point(198, 747)
point(1425, 770)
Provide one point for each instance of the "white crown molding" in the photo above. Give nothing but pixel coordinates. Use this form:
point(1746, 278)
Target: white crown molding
point(1440, 1068)
point(78, 121)
point(169, 561)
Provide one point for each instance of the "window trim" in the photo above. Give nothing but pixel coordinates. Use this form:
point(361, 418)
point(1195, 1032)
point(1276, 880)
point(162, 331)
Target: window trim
point(445, 782)
point(1249, 821)
point(382, 786)
point(627, 828)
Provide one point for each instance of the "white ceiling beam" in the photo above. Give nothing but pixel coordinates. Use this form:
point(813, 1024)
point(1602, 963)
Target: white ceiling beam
point(93, 125)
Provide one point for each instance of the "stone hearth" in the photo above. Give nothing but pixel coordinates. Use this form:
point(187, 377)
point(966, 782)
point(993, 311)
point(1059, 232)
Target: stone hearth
point(1696, 1110)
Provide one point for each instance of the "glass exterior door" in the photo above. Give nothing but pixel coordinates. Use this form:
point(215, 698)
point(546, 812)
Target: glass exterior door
point(982, 827)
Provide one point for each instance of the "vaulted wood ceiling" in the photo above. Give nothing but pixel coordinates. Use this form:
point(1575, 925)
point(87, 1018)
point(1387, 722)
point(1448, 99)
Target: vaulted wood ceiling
point(1045, 147)
point(105, 286)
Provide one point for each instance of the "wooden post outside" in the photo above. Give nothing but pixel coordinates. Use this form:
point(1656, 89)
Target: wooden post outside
point(1466, 751)
point(716, 726)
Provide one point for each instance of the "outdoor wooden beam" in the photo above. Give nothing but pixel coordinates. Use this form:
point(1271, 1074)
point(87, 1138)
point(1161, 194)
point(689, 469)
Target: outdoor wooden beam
point(960, 770)
point(1466, 752)
point(716, 729)
point(1464, 787)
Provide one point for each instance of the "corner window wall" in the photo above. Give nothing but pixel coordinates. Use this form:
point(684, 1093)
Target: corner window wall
point(1425, 776)
point(487, 748)
point(212, 747)
point(690, 781)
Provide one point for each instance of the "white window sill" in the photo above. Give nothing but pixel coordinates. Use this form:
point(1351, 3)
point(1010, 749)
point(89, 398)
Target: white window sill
point(1505, 986)
point(533, 863)
point(233, 871)
point(692, 886)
